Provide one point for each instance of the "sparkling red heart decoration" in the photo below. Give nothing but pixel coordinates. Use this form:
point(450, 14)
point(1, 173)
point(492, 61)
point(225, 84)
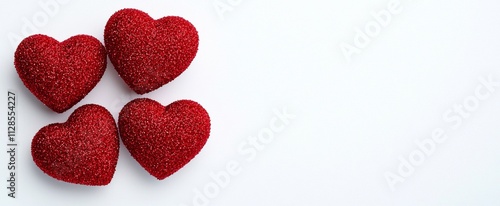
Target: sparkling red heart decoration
point(163, 139)
point(148, 53)
point(60, 74)
point(83, 150)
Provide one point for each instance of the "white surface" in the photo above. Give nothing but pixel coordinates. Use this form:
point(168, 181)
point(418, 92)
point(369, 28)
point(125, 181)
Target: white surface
point(353, 119)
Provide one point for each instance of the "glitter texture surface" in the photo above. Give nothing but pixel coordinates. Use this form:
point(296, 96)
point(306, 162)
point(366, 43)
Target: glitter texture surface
point(60, 74)
point(148, 53)
point(163, 139)
point(83, 150)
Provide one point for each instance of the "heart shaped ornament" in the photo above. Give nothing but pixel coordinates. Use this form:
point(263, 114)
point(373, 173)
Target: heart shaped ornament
point(83, 150)
point(60, 74)
point(148, 53)
point(163, 139)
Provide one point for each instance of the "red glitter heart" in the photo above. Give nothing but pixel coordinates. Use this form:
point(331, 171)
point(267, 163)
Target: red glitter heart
point(163, 139)
point(83, 150)
point(148, 53)
point(60, 74)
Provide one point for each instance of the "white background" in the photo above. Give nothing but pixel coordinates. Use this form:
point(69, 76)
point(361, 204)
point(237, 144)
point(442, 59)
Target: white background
point(353, 119)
